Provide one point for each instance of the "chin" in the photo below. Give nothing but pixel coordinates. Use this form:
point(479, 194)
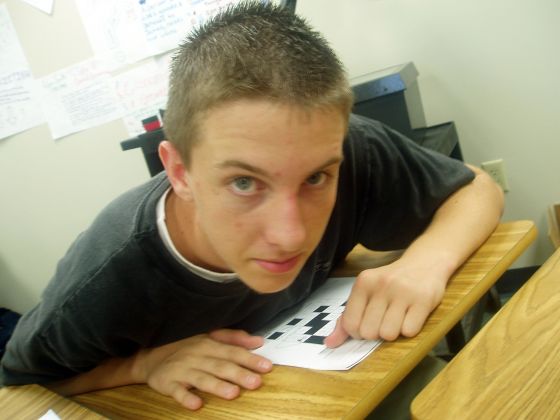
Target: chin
point(270, 284)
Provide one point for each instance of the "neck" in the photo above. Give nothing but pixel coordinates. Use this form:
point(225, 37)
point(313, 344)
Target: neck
point(192, 244)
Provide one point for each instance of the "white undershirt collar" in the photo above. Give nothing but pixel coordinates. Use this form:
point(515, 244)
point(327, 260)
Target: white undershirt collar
point(166, 238)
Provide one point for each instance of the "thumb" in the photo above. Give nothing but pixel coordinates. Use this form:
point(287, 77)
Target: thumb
point(237, 338)
point(338, 336)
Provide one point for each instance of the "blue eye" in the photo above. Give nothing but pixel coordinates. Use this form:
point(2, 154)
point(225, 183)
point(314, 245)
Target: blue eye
point(317, 179)
point(244, 184)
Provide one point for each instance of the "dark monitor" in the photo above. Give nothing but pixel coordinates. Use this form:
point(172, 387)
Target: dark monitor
point(391, 96)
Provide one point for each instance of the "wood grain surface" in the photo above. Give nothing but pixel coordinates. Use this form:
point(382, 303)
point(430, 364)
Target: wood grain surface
point(511, 368)
point(29, 402)
point(308, 394)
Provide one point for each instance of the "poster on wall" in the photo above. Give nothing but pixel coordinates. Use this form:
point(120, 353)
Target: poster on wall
point(126, 31)
point(19, 108)
point(96, 91)
point(78, 97)
point(142, 92)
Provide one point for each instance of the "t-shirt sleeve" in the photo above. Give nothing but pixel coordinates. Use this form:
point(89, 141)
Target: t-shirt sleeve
point(94, 308)
point(39, 354)
point(60, 338)
point(401, 184)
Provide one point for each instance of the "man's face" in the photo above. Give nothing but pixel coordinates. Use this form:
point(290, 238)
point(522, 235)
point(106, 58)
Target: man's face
point(262, 182)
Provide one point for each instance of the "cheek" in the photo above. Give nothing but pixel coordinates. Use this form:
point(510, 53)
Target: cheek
point(236, 225)
point(322, 207)
point(318, 212)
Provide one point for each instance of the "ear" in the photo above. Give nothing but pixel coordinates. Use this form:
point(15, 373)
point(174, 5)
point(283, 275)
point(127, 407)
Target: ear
point(174, 168)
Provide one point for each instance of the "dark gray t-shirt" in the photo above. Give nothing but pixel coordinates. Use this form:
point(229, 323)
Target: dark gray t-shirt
point(118, 289)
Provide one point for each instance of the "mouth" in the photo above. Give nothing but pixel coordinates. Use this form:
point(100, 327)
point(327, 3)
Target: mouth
point(279, 266)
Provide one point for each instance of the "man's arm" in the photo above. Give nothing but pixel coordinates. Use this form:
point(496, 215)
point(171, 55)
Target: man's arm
point(396, 299)
point(218, 363)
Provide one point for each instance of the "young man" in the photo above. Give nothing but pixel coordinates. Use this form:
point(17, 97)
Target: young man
point(268, 184)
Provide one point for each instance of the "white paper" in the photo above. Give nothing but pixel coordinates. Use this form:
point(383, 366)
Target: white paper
point(113, 30)
point(19, 108)
point(127, 31)
point(49, 415)
point(12, 57)
point(142, 92)
point(208, 8)
point(166, 22)
point(296, 337)
point(78, 97)
point(43, 5)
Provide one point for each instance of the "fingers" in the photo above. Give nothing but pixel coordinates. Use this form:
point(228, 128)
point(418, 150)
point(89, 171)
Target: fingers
point(237, 338)
point(351, 319)
point(380, 319)
point(208, 382)
point(237, 354)
point(187, 399)
point(366, 308)
point(414, 320)
point(207, 363)
point(338, 336)
point(391, 325)
point(374, 315)
point(385, 303)
point(224, 370)
point(204, 382)
point(214, 376)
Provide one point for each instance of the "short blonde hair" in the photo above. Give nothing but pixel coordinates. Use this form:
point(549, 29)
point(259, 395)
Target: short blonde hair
point(251, 50)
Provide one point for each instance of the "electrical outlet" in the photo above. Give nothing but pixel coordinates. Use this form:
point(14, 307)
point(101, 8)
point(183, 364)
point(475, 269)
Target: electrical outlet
point(496, 169)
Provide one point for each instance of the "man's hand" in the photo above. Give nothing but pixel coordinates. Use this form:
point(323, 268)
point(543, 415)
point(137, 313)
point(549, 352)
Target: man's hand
point(389, 301)
point(397, 299)
point(218, 363)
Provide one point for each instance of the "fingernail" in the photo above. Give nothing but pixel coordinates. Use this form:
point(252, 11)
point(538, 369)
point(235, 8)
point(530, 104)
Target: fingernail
point(230, 391)
point(265, 364)
point(252, 381)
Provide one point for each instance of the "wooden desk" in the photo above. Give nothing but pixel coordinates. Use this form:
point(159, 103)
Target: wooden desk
point(32, 401)
point(511, 368)
point(299, 393)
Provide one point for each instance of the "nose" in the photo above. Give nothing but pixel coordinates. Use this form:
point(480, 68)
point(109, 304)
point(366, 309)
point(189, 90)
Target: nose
point(285, 227)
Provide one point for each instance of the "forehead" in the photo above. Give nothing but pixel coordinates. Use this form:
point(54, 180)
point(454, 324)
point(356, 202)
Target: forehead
point(250, 127)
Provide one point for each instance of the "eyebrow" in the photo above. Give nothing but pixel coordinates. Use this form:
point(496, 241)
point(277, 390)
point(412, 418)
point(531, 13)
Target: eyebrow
point(233, 163)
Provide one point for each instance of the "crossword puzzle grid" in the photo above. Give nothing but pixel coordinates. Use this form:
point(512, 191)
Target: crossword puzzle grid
point(311, 329)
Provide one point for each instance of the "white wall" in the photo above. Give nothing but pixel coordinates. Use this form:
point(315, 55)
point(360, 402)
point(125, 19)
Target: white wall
point(51, 190)
point(491, 66)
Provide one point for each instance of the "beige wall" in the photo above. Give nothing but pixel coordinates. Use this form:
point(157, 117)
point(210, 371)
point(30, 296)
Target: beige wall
point(51, 190)
point(493, 67)
point(490, 66)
